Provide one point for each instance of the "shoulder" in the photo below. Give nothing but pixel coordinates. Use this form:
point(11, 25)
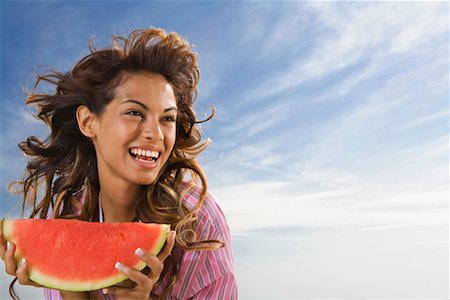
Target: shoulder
point(207, 271)
point(211, 220)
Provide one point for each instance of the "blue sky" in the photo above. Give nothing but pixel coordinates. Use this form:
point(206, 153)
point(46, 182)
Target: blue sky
point(330, 145)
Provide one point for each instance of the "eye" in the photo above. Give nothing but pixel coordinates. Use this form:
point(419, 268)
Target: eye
point(169, 118)
point(135, 113)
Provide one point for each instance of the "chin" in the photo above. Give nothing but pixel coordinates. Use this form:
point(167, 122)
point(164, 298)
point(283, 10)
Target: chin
point(146, 182)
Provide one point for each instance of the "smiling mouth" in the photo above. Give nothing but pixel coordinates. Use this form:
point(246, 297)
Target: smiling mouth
point(144, 155)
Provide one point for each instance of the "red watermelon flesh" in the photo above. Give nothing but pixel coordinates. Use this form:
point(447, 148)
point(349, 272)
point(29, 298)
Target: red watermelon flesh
point(76, 255)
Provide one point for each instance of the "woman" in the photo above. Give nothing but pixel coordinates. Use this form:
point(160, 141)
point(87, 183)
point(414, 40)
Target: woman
point(122, 148)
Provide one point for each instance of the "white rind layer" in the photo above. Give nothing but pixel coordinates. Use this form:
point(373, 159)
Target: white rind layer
point(75, 286)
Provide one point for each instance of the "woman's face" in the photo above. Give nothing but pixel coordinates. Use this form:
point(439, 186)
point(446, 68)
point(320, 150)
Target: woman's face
point(136, 132)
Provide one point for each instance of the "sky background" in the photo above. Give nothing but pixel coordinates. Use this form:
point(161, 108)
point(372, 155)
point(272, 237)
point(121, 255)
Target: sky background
point(330, 149)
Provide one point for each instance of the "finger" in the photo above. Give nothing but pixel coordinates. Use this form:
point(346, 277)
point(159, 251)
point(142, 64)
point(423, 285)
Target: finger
point(110, 290)
point(120, 291)
point(22, 274)
point(126, 284)
point(2, 242)
point(133, 275)
point(10, 262)
point(154, 263)
point(168, 247)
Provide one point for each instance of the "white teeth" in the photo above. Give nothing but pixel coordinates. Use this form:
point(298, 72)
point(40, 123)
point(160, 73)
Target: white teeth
point(143, 160)
point(147, 153)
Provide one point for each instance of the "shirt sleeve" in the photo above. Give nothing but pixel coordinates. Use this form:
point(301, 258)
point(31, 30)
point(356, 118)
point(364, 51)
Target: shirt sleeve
point(208, 274)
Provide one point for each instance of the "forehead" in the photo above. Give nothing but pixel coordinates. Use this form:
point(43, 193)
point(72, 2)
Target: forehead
point(149, 88)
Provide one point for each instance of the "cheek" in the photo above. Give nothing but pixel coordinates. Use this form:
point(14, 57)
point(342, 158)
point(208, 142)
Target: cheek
point(172, 134)
point(121, 130)
point(170, 140)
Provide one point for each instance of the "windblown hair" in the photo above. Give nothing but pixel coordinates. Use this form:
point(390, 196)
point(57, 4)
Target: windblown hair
point(64, 164)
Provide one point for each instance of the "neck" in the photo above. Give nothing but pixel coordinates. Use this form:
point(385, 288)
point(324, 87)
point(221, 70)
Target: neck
point(119, 204)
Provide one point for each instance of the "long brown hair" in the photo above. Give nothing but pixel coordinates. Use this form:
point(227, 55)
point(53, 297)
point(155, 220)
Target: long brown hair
point(64, 164)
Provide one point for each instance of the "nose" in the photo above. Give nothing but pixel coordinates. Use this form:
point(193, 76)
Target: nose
point(151, 129)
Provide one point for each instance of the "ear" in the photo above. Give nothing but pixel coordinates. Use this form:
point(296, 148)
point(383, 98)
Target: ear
point(87, 121)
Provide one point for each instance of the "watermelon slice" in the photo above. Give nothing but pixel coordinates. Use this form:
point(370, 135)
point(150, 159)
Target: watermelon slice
point(76, 255)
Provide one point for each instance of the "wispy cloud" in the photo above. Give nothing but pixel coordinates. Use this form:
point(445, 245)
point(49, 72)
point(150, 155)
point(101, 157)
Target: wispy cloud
point(234, 163)
point(425, 120)
point(19, 125)
point(254, 206)
point(252, 122)
point(432, 151)
point(356, 172)
point(356, 33)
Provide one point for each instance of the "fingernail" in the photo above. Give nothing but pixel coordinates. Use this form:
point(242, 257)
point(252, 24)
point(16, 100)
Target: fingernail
point(23, 262)
point(173, 233)
point(104, 291)
point(8, 245)
point(119, 266)
point(139, 252)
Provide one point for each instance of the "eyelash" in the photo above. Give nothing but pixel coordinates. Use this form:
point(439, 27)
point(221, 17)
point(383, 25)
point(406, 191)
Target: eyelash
point(170, 118)
point(134, 113)
point(138, 113)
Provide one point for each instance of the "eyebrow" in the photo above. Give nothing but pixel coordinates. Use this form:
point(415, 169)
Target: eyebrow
point(146, 107)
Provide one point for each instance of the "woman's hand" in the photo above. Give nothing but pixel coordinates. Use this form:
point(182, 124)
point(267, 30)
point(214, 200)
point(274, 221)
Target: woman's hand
point(143, 283)
point(7, 255)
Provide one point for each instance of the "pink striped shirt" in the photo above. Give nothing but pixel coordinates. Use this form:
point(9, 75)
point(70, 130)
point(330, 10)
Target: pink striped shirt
point(205, 274)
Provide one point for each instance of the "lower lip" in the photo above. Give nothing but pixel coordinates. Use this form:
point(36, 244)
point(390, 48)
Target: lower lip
point(145, 164)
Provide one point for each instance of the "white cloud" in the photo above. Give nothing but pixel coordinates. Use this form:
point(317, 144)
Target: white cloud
point(371, 124)
point(283, 34)
point(430, 21)
point(355, 33)
point(424, 120)
point(251, 122)
point(345, 86)
point(19, 124)
point(435, 150)
point(257, 156)
point(263, 205)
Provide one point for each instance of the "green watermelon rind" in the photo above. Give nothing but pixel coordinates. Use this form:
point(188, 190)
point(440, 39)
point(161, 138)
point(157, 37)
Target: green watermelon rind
point(7, 235)
point(55, 283)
